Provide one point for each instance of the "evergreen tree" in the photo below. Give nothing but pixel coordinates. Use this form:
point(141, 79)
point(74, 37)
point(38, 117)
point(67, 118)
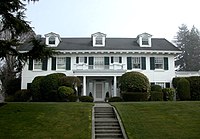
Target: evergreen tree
point(189, 42)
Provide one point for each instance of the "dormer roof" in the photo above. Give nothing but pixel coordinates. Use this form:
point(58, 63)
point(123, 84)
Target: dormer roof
point(52, 39)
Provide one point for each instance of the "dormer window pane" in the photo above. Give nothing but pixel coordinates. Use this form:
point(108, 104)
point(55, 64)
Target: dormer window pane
point(145, 41)
point(52, 40)
point(99, 40)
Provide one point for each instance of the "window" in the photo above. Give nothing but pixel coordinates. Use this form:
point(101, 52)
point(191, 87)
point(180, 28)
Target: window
point(162, 84)
point(159, 62)
point(99, 40)
point(136, 61)
point(99, 62)
point(61, 62)
point(145, 41)
point(52, 40)
point(81, 59)
point(37, 64)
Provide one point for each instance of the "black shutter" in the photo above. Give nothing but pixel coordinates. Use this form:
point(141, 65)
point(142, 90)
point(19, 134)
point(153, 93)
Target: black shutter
point(77, 60)
point(143, 63)
point(85, 59)
point(44, 64)
point(166, 63)
point(53, 63)
point(112, 59)
point(91, 60)
point(129, 63)
point(106, 60)
point(30, 65)
point(152, 63)
point(120, 59)
point(68, 63)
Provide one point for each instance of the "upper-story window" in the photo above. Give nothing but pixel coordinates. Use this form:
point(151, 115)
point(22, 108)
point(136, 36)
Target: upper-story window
point(145, 41)
point(136, 61)
point(37, 64)
point(159, 63)
point(52, 40)
point(61, 63)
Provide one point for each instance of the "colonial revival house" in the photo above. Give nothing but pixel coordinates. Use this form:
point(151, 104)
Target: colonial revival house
point(99, 61)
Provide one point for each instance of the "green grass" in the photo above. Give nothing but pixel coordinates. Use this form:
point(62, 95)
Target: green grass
point(160, 120)
point(46, 120)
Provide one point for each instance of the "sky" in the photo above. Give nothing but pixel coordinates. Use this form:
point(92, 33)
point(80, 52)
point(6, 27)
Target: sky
point(115, 18)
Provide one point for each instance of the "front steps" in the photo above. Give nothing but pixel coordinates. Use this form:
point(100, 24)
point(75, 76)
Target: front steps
point(105, 123)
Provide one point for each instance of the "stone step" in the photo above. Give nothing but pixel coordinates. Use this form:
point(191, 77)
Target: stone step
point(106, 120)
point(106, 124)
point(104, 116)
point(107, 127)
point(107, 131)
point(112, 135)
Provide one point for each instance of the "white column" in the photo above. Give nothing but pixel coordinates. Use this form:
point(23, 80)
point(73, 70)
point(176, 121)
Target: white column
point(84, 85)
point(115, 86)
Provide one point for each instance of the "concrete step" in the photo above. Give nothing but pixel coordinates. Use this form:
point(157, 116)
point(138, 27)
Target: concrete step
point(107, 127)
point(108, 131)
point(104, 116)
point(106, 124)
point(112, 135)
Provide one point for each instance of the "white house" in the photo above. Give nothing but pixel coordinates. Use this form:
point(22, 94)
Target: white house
point(99, 61)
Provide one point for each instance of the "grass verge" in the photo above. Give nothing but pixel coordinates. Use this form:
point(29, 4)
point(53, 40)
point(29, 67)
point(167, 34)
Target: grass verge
point(46, 120)
point(160, 120)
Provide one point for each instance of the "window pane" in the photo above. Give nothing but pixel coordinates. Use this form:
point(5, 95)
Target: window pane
point(99, 40)
point(51, 40)
point(145, 41)
point(37, 64)
point(81, 60)
point(116, 59)
point(159, 62)
point(61, 62)
point(136, 62)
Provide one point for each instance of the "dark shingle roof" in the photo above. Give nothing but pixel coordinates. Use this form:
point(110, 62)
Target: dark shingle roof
point(159, 44)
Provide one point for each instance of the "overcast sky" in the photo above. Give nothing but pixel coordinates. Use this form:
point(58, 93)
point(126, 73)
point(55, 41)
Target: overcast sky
point(116, 18)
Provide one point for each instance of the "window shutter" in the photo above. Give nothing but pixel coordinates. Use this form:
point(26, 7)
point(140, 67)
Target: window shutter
point(53, 63)
point(44, 64)
point(129, 63)
point(85, 59)
point(120, 59)
point(91, 60)
point(152, 63)
point(106, 60)
point(30, 65)
point(143, 63)
point(77, 60)
point(166, 67)
point(112, 59)
point(68, 63)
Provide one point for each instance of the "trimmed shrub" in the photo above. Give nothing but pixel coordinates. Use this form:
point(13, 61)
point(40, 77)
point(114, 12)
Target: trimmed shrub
point(86, 99)
point(90, 94)
point(175, 81)
point(10, 98)
point(64, 92)
point(115, 99)
point(69, 81)
point(194, 87)
point(35, 88)
point(183, 89)
point(135, 96)
point(168, 94)
point(157, 88)
point(49, 84)
point(13, 86)
point(156, 96)
point(72, 98)
point(134, 82)
point(22, 95)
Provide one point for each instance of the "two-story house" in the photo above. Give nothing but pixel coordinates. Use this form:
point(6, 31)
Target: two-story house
point(99, 61)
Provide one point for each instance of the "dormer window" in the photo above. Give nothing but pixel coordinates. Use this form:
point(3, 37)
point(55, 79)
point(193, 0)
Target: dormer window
point(98, 39)
point(52, 40)
point(144, 40)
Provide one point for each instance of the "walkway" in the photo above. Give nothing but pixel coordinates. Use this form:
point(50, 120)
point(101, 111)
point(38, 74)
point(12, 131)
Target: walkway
point(106, 123)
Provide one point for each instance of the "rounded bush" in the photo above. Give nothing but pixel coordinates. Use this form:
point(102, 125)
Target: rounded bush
point(69, 81)
point(157, 88)
point(115, 99)
point(168, 94)
point(86, 99)
point(72, 98)
point(35, 88)
point(156, 96)
point(175, 81)
point(22, 95)
point(65, 92)
point(50, 83)
point(194, 87)
point(183, 89)
point(13, 86)
point(134, 82)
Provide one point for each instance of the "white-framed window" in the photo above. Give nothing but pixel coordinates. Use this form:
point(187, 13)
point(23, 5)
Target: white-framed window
point(61, 62)
point(52, 40)
point(136, 62)
point(116, 59)
point(145, 41)
point(99, 40)
point(162, 84)
point(81, 59)
point(37, 64)
point(99, 62)
point(159, 63)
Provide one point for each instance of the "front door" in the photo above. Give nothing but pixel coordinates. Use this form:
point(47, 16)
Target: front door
point(99, 91)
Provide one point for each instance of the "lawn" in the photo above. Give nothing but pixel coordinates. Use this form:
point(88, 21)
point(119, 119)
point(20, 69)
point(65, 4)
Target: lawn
point(160, 120)
point(46, 120)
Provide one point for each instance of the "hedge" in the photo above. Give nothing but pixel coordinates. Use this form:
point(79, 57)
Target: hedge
point(115, 99)
point(86, 99)
point(22, 95)
point(156, 96)
point(183, 89)
point(168, 94)
point(64, 92)
point(135, 96)
point(35, 88)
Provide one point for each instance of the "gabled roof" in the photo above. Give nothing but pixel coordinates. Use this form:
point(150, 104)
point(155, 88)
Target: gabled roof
point(158, 44)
